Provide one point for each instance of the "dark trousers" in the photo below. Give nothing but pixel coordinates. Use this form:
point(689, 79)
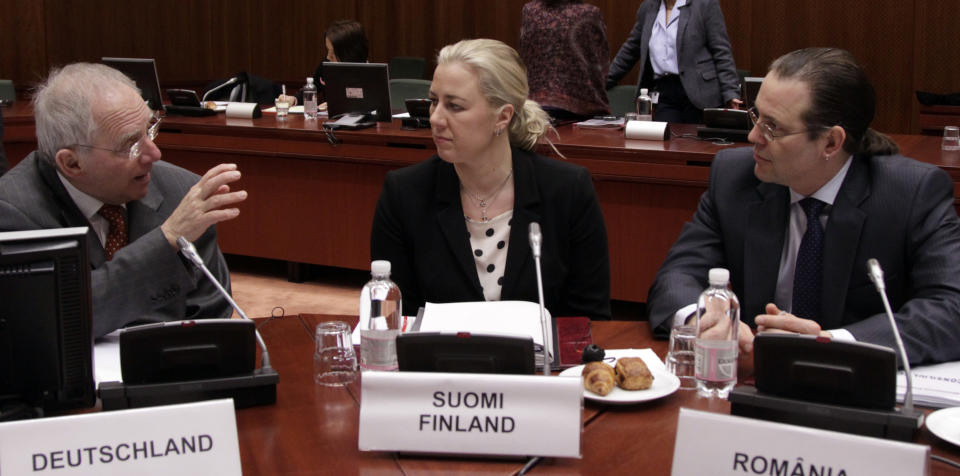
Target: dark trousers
point(673, 104)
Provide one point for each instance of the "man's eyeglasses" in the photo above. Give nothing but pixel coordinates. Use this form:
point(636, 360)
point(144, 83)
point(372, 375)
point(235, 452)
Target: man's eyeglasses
point(769, 131)
point(134, 151)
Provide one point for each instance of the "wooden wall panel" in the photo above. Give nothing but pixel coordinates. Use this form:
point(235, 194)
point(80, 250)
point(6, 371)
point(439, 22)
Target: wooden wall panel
point(904, 44)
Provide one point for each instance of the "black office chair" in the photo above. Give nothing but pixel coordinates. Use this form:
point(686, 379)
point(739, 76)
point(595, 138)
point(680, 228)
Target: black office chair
point(622, 99)
point(250, 88)
point(407, 67)
point(403, 89)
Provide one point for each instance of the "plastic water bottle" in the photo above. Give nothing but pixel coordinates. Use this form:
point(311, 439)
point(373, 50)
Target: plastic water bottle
point(309, 100)
point(644, 106)
point(717, 322)
point(380, 307)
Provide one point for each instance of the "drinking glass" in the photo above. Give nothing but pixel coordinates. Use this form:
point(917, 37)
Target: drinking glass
point(334, 360)
point(951, 138)
point(283, 108)
point(680, 355)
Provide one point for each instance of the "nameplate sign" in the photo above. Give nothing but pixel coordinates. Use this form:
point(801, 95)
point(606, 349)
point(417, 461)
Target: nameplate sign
point(716, 444)
point(193, 438)
point(476, 414)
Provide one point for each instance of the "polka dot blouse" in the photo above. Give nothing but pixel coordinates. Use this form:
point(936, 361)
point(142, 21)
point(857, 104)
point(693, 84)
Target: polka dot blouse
point(488, 240)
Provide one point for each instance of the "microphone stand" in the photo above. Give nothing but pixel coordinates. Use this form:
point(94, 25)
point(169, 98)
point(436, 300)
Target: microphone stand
point(190, 252)
point(226, 83)
point(536, 239)
point(876, 275)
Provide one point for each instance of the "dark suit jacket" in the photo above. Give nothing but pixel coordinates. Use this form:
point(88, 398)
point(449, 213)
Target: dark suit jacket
point(146, 280)
point(897, 210)
point(3, 155)
point(705, 62)
point(420, 228)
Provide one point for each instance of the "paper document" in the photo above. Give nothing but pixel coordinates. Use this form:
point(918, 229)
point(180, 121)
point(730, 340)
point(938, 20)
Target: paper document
point(106, 358)
point(508, 318)
point(935, 386)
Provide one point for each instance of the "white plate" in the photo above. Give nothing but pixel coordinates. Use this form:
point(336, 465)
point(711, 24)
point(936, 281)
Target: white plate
point(945, 424)
point(664, 384)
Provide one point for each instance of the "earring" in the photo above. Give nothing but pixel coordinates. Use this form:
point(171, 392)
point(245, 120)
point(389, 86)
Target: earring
point(497, 132)
point(827, 156)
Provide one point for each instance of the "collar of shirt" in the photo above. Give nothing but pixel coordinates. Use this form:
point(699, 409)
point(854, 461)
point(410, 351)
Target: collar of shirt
point(89, 206)
point(828, 192)
point(663, 40)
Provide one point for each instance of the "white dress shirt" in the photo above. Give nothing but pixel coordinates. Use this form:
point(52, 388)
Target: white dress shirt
point(89, 206)
point(663, 40)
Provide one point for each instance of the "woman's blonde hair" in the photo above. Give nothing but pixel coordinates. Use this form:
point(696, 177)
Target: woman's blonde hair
point(503, 80)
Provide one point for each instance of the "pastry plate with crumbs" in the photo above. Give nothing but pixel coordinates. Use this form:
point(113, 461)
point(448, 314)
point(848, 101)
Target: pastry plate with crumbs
point(664, 383)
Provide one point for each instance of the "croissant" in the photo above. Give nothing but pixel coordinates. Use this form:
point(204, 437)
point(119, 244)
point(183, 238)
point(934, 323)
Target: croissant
point(599, 378)
point(633, 374)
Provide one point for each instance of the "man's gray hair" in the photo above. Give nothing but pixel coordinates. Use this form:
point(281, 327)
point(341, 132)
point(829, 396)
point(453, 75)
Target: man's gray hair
point(63, 104)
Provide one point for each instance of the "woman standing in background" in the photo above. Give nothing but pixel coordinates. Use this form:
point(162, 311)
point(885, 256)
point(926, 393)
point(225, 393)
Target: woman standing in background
point(564, 46)
point(684, 55)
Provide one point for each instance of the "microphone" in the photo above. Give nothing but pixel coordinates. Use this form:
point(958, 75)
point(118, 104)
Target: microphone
point(536, 239)
point(190, 252)
point(876, 275)
point(234, 80)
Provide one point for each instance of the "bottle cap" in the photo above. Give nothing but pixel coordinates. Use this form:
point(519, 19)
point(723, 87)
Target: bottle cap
point(309, 80)
point(643, 91)
point(718, 276)
point(380, 267)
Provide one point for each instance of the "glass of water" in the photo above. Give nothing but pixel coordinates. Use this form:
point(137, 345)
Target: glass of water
point(334, 360)
point(680, 355)
point(283, 108)
point(951, 138)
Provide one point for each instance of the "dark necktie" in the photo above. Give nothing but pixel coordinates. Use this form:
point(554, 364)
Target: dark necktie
point(808, 276)
point(117, 234)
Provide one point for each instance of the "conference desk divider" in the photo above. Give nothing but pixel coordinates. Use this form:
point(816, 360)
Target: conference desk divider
point(312, 201)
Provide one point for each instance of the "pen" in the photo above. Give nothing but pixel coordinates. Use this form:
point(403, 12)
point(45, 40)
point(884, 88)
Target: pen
point(284, 88)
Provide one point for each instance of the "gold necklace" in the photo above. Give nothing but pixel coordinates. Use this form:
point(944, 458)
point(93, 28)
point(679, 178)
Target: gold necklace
point(483, 203)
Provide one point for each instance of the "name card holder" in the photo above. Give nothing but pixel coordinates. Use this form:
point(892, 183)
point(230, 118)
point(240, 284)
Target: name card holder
point(192, 438)
point(717, 444)
point(471, 414)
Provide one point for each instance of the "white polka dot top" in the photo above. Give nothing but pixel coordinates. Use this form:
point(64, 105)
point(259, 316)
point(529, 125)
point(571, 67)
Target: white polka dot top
point(489, 240)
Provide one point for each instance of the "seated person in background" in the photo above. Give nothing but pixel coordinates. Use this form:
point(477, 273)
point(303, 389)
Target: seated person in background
point(455, 227)
point(97, 166)
point(563, 43)
point(3, 154)
point(345, 42)
point(796, 217)
point(684, 55)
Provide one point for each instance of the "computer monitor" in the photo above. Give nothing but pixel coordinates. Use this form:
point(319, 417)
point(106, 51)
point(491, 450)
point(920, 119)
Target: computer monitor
point(751, 86)
point(358, 88)
point(46, 336)
point(143, 71)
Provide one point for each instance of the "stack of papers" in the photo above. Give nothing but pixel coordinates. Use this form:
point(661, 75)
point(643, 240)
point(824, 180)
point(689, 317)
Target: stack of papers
point(507, 318)
point(600, 123)
point(935, 386)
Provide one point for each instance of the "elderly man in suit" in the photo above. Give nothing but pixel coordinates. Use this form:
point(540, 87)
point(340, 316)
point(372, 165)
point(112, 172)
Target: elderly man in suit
point(796, 217)
point(97, 166)
point(684, 55)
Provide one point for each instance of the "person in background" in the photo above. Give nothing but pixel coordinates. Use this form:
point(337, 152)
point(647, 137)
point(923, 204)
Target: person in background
point(345, 42)
point(796, 216)
point(455, 226)
point(3, 154)
point(563, 43)
point(684, 55)
point(97, 166)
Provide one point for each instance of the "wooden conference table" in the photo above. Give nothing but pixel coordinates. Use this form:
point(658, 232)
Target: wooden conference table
point(312, 201)
point(314, 429)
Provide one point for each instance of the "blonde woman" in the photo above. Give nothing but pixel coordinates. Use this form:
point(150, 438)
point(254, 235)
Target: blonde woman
point(455, 227)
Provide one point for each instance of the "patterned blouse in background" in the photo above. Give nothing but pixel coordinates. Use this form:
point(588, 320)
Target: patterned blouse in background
point(564, 46)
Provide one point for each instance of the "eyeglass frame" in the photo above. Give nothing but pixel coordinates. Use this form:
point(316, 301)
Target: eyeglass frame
point(134, 153)
point(769, 132)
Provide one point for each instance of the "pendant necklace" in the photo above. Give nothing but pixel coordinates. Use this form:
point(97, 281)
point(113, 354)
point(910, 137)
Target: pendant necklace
point(484, 202)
